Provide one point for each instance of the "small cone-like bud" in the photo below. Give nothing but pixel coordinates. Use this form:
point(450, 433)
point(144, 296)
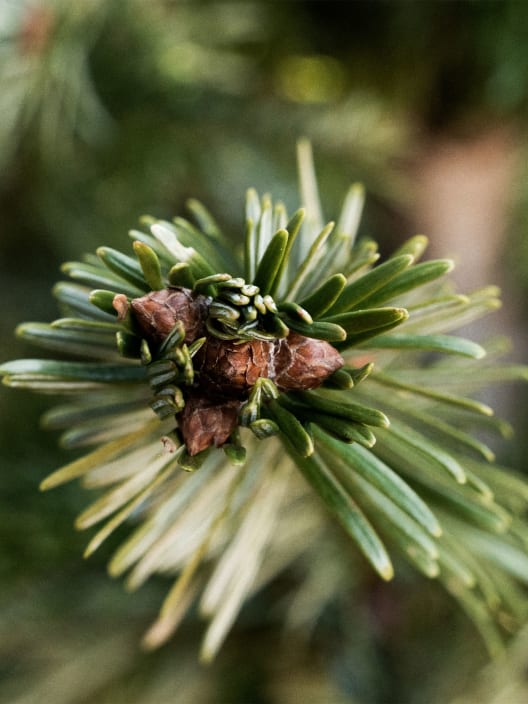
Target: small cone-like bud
point(157, 312)
point(226, 370)
point(232, 367)
point(304, 362)
point(204, 422)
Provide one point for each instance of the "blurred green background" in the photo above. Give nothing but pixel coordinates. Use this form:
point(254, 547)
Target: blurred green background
point(110, 109)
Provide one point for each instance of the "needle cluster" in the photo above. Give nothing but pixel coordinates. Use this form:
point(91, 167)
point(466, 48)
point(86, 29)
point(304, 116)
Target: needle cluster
point(293, 355)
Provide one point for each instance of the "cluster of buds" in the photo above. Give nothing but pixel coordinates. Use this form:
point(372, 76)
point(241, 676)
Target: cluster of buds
point(239, 311)
point(221, 354)
point(212, 363)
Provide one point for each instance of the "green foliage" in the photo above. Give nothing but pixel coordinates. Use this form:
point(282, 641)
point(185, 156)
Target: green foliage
point(386, 442)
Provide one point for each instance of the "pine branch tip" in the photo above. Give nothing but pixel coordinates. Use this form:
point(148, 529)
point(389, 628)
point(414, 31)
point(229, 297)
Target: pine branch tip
point(152, 639)
point(480, 353)
point(147, 220)
point(19, 332)
point(90, 549)
point(387, 572)
point(326, 426)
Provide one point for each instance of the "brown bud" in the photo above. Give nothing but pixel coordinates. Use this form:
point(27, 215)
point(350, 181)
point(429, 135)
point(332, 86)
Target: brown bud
point(232, 368)
point(226, 370)
point(304, 362)
point(157, 312)
point(204, 422)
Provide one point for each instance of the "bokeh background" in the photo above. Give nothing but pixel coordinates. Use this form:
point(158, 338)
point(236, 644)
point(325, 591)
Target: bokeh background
point(110, 109)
